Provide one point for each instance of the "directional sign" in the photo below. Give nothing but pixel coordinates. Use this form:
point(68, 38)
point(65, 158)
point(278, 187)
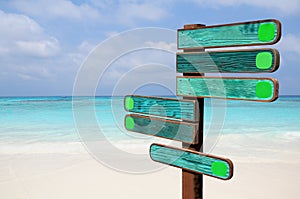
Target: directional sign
point(192, 161)
point(230, 61)
point(164, 107)
point(264, 32)
point(182, 119)
point(253, 89)
point(160, 127)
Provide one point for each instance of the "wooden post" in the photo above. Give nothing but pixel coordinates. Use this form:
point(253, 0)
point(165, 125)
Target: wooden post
point(192, 184)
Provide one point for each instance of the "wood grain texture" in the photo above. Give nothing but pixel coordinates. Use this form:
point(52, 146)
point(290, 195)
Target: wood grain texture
point(231, 61)
point(192, 183)
point(228, 35)
point(235, 88)
point(163, 107)
point(160, 127)
point(192, 161)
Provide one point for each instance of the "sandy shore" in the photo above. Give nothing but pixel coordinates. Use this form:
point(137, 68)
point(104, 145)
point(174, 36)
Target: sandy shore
point(84, 177)
point(78, 175)
point(87, 178)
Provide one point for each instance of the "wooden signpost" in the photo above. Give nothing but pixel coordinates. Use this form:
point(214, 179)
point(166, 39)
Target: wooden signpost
point(253, 33)
point(182, 120)
point(236, 88)
point(230, 61)
point(186, 132)
point(163, 107)
point(193, 161)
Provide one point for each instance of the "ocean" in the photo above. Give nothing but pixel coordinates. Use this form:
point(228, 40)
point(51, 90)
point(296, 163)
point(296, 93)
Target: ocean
point(43, 126)
point(50, 119)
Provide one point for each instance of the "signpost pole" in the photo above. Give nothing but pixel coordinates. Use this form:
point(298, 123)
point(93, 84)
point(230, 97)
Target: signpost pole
point(192, 184)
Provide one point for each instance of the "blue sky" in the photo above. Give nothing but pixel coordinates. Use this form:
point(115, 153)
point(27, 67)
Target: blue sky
point(43, 43)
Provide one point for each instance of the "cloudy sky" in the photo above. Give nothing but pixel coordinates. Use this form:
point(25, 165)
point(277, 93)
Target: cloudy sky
point(44, 43)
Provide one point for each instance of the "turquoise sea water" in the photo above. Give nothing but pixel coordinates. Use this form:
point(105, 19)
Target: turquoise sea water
point(30, 120)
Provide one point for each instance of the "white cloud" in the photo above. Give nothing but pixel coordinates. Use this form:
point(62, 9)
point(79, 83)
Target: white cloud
point(106, 12)
point(27, 77)
point(56, 9)
point(21, 35)
point(25, 49)
point(290, 43)
point(111, 33)
point(17, 26)
point(285, 7)
point(33, 71)
point(130, 58)
point(43, 48)
point(82, 52)
point(163, 45)
point(125, 82)
point(128, 13)
point(86, 47)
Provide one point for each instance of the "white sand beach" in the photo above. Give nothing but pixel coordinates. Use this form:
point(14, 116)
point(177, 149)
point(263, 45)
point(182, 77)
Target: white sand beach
point(77, 176)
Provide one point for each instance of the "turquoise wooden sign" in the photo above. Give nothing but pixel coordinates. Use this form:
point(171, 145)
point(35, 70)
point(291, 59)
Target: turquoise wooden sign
point(263, 32)
point(192, 161)
point(252, 89)
point(171, 129)
point(182, 119)
point(230, 61)
point(163, 107)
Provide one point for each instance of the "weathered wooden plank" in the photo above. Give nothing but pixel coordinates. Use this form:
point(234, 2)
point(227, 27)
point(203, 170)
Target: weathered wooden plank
point(231, 61)
point(263, 32)
point(164, 107)
point(236, 88)
point(192, 161)
point(160, 127)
